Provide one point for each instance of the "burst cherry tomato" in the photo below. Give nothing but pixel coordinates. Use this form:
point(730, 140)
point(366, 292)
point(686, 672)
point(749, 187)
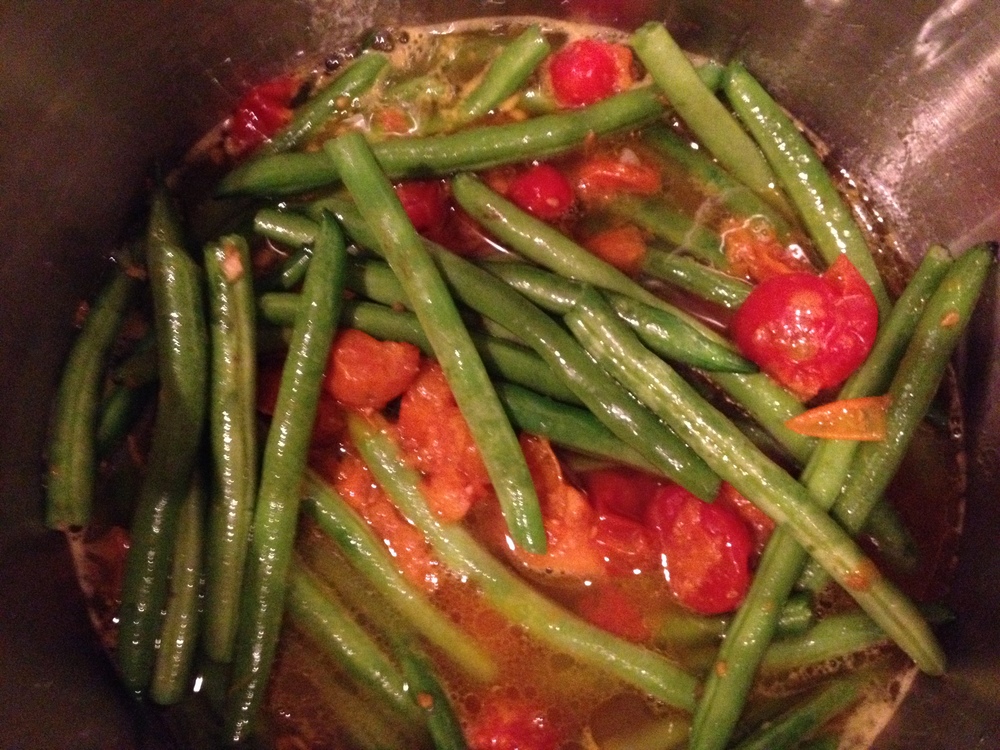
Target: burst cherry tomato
point(623, 492)
point(706, 550)
point(588, 70)
point(365, 373)
point(542, 191)
point(425, 203)
point(507, 724)
point(808, 332)
point(261, 113)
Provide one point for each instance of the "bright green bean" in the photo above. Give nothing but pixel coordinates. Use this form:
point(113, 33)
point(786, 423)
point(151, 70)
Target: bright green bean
point(357, 78)
point(472, 149)
point(824, 213)
point(696, 278)
point(506, 74)
point(428, 696)
point(669, 224)
point(453, 348)
point(182, 360)
point(701, 111)
point(232, 436)
point(172, 674)
point(73, 448)
point(276, 512)
point(506, 592)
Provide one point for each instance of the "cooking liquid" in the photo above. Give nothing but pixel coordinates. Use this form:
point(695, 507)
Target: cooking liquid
point(585, 706)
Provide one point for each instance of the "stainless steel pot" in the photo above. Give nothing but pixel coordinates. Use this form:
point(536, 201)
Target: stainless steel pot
point(92, 94)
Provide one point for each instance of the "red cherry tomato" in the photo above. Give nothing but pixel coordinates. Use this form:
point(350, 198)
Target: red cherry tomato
point(588, 70)
point(506, 724)
point(543, 191)
point(626, 546)
point(620, 491)
point(610, 609)
point(808, 332)
point(261, 113)
point(425, 203)
point(706, 550)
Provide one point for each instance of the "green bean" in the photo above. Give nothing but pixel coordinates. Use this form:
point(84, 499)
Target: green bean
point(505, 591)
point(428, 695)
point(686, 627)
point(824, 213)
point(182, 354)
point(754, 625)
point(287, 227)
point(119, 411)
point(833, 637)
point(770, 405)
point(894, 542)
point(660, 734)
point(703, 281)
point(738, 461)
point(315, 610)
point(826, 742)
point(541, 243)
point(357, 78)
point(669, 224)
point(805, 717)
point(140, 366)
point(567, 426)
point(369, 557)
point(506, 74)
point(276, 511)
point(669, 331)
point(915, 383)
point(453, 348)
point(368, 725)
point(233, 437)
point(472, 149)
point(701, 111)
point(613, 406)
point(73, 450)
point(172, 674)
point(739, 199)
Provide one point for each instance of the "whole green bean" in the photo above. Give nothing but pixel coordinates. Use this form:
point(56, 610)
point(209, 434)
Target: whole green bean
point(738, 461)
point(696, 278)
point(806, 717)
point(702, 111)
point(353, 81)
point(669, 224)
point(172, 673)
point(428, 695)
point(317, 611)
point(506, 74)
point(739, 199)
point(915, 383)
point(754, 626)
point(453, 348)
point(669, 331)
point(689, 628)
point(119, 411)
point(182, 354)
point(287, 227)
point(824, 213)
point(72, 460)
point(369, 557)
point(472, 149)
point(506, 592)
point(232, 436)
point(276, 511)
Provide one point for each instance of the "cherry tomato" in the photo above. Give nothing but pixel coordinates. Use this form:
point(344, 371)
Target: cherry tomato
point(808, 332)
point(588, 70)
point(754, 251)
point(706, 550)
point(621, 491)
point(760, 524)
point(623, 247)
point(261, 113)
point(365, 373)
point(607, 175)
point(543, 192)
point(626, 546)
point(506, 724)
point(425, 203)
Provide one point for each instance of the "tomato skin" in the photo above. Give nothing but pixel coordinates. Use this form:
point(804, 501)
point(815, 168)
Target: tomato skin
point(706, 550)
point(425, 203)
point(365, 373)
point(506, 724)
point(626, 546)
point(760, 524)
point(606, 175)
point(543, 191)
point(621, 491)
point(623, 247)
point(808, 332)
point(586, 71)
point(261, 113)
point(610, 609)
point(754, 251)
